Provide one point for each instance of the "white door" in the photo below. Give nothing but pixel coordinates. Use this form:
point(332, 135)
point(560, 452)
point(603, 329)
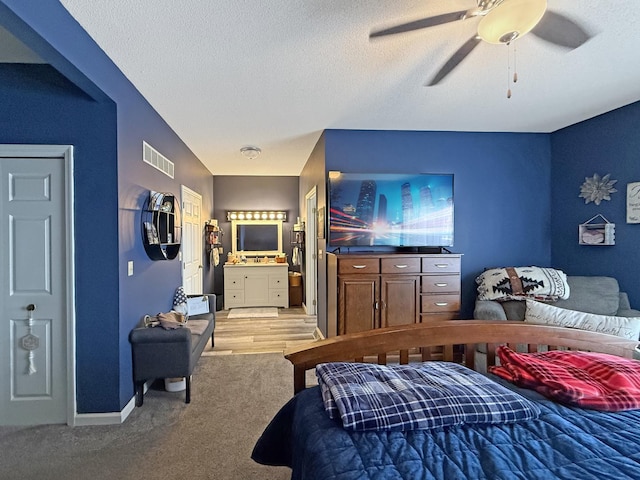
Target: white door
point(311, 253)
point(34, 297)
point(191, 241)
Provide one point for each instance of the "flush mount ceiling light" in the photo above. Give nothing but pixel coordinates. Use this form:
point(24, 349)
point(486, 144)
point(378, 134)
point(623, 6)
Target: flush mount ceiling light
point(250, 152)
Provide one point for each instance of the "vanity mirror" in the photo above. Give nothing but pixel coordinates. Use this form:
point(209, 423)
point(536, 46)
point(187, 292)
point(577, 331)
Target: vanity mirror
point(256, 237)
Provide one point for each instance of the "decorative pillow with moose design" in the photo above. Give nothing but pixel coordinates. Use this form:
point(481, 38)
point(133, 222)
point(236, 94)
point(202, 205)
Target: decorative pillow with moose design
point(520, 283)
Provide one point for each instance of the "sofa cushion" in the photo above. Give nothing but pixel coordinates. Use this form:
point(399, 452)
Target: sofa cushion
point(599, 295)
point(514, 309)
point(542, 314)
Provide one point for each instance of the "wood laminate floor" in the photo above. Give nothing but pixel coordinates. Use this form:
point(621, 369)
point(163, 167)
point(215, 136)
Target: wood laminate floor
point(292, 327)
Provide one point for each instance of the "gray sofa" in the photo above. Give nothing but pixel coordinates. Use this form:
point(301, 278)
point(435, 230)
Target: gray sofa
point(600, 295)
point(160, 353)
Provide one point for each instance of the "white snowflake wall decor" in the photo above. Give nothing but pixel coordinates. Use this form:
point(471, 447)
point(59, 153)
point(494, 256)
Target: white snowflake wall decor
point(596, 189)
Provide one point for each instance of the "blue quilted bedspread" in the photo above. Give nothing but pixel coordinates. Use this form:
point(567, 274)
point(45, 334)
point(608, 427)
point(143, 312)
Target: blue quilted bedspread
point(564, 442)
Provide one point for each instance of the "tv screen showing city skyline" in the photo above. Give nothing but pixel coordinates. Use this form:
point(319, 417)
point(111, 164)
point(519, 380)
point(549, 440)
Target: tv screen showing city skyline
point(403, 210)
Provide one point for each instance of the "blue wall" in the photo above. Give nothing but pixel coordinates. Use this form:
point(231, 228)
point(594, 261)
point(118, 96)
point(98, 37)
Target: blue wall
point(111, 181)
point(39, 106)
point(609, 143)
point(501, 187)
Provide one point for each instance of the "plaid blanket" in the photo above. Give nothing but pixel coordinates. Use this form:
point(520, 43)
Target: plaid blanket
point(419, 396)
point(590, 380)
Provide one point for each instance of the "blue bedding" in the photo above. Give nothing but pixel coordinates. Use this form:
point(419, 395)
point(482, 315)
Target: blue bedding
point(563, 442)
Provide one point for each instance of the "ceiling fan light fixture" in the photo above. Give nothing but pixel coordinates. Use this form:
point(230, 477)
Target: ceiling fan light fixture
point(250, 152)
point(511, 19)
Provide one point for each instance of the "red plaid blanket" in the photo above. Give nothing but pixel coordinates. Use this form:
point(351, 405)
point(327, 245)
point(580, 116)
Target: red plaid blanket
point(591, 380)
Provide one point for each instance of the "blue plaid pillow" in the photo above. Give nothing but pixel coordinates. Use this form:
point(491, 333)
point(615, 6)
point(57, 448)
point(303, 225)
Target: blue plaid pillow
point(418, 396)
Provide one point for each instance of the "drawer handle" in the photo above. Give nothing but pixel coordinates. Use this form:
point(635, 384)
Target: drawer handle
point(442, 265)
point(359, 266)
point(401, 266)
point(441, 304)
point(441, 284)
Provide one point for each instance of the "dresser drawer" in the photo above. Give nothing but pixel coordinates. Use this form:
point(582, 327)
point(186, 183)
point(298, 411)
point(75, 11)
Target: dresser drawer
point(440, 303)
point(441, 265)
point(440, 283)
point(234, 282)
point(401, 265)
point(438, 317)
point(233, 298)
point(358, 265)
point(278, 281)
point(279, 297)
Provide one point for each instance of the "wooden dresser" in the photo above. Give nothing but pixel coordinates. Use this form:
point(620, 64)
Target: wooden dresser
point(367, 291)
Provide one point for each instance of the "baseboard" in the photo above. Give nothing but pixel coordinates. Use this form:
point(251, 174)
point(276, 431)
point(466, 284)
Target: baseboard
point(109, 418)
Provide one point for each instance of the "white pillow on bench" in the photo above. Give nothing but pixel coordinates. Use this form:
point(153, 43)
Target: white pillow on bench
point(543, 314)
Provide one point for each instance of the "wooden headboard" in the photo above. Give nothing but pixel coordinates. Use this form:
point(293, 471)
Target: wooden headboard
point(448, 341)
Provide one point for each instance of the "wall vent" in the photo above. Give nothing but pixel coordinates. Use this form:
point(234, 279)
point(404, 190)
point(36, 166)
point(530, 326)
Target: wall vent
point(154, 158)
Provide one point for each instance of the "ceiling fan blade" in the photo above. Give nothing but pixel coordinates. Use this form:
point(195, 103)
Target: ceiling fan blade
point(455, 59)
point(422, 23)
point(560, 30)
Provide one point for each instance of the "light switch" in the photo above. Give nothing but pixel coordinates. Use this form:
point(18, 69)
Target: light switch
point(130, 268)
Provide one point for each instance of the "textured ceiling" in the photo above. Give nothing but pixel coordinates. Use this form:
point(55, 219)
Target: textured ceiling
point(275, 73)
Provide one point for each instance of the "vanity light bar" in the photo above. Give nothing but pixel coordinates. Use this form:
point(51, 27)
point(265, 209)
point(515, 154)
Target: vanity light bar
point(257, 215)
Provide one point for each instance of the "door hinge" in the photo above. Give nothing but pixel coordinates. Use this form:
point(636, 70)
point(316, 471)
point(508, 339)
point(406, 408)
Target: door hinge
point(314, 302)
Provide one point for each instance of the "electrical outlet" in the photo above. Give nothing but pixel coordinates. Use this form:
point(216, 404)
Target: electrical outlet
point(130, 268)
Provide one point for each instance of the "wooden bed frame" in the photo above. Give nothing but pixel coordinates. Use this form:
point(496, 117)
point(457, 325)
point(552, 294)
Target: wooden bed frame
point(447, 340)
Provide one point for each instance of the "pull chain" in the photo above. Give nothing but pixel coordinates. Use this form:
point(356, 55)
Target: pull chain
point(515, 68)
point(515, 73)
point(508, 71)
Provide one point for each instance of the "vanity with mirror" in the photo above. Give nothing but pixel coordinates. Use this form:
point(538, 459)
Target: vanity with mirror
point(255, 278)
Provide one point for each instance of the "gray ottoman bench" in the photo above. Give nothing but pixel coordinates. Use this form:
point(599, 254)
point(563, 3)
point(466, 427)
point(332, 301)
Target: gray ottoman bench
point(160, 353)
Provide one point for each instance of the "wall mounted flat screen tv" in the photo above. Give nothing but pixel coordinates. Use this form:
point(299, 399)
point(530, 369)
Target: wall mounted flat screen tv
point(404, 210)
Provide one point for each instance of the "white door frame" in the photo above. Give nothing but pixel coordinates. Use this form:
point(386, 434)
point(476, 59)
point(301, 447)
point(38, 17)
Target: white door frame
point(66, 152)
point(311, 252)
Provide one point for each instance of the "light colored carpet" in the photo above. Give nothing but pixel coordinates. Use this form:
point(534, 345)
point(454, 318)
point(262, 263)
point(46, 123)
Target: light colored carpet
point(233, 399)
point(254, 312)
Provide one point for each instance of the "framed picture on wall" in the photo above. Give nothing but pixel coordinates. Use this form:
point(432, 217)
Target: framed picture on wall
point(633, 202)
point(321, 222)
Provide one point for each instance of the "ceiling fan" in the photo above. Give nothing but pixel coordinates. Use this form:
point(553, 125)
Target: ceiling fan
point(501, 22)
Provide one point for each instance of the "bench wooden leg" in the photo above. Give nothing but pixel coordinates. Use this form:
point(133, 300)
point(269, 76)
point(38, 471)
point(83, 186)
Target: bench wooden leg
point(188, 389)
